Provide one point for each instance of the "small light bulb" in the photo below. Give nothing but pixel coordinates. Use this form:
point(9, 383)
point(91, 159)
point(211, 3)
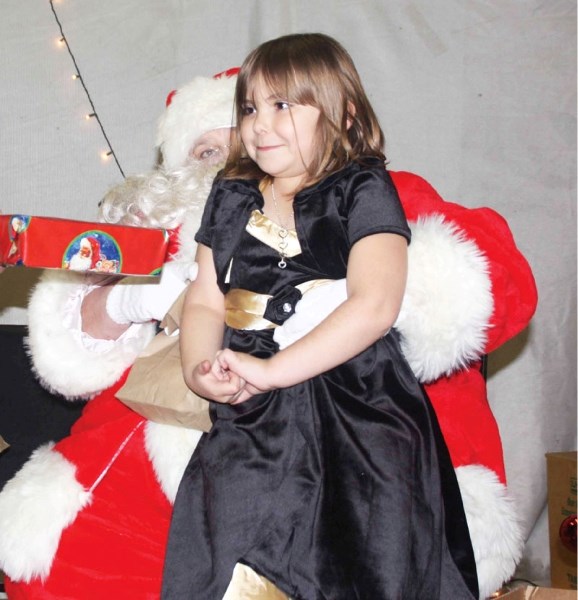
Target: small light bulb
point(76, 76)
point(89, 116)
point(106, 155)
point(61, 41)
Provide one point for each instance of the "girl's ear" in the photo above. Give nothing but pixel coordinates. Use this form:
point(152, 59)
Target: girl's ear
point(351, 110)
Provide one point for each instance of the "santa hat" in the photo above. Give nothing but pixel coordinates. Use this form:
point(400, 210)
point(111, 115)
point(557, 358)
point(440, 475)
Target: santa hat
point(94, 247)
point(204, 104)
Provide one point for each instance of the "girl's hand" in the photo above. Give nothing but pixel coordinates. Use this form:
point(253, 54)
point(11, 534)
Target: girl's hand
point(211, 383)
point(252, 372)
point(244, 394)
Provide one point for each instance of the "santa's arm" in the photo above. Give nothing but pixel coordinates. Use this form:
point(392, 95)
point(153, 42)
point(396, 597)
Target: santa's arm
point(469, 290)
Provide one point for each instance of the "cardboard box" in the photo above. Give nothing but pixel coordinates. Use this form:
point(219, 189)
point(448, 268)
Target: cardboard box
point(52, 243)
point(529, 592)
point(561, 469)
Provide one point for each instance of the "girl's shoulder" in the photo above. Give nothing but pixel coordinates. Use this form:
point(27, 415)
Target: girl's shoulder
point(238, 186)
point(227, 207)
point(362, 173)
point(226, 193)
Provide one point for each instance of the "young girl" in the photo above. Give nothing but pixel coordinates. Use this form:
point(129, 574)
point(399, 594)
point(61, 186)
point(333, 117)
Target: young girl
point(325, 471)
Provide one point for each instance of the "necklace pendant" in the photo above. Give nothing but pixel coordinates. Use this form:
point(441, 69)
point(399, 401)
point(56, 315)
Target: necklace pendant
point(283, 232)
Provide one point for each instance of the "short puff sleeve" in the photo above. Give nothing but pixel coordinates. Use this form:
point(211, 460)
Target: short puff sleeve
point(374, 206)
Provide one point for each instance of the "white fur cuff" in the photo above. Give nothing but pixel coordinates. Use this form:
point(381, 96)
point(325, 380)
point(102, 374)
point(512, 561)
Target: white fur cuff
point(60, 361)
point(494, 527)
point(35, 507)
point(448, 300)
point(170, 449)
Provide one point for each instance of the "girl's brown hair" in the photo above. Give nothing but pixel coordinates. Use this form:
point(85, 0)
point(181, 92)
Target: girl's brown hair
point(311, 69)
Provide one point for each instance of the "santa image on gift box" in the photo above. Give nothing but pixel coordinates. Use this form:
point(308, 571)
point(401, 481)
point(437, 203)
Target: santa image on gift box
point(18, 224)
point(96, 251)
point(87, 257)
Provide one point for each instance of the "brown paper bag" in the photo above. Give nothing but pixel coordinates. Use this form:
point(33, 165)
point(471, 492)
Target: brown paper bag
point(155, 387)
point(248, 585)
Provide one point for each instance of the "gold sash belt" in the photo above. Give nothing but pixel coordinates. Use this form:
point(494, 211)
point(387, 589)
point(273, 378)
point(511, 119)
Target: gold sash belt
point(245, 309)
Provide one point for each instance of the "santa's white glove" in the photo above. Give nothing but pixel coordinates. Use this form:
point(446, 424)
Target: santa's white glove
point(137, 300)
point(313, 307)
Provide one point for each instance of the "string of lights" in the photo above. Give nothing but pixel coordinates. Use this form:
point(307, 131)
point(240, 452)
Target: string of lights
point(77, 76)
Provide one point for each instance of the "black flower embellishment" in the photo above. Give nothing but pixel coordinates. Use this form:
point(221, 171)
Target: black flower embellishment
point(282, 305)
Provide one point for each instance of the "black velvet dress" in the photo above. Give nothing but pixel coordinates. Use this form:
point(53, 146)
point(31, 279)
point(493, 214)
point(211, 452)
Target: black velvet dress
point(340, 487)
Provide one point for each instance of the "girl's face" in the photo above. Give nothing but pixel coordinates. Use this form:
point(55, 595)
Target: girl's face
point(279, 136)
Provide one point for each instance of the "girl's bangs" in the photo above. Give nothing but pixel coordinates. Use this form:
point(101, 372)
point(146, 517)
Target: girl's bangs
point(284, 79)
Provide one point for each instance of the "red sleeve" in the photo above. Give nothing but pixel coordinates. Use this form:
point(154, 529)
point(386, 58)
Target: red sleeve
point(513, 285)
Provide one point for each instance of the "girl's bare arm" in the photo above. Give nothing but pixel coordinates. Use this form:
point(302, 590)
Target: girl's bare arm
point(201, 333)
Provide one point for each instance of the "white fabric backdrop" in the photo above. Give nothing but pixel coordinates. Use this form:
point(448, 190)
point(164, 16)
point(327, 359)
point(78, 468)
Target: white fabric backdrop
point(477, 96)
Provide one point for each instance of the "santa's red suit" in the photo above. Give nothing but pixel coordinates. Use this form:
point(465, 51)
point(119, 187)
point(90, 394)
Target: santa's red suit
point(87, 518)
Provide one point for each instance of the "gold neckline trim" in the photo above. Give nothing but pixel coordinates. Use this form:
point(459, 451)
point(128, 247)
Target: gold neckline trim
point(261, 227)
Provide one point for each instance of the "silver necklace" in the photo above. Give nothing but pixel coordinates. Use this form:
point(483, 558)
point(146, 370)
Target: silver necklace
point(283, 231)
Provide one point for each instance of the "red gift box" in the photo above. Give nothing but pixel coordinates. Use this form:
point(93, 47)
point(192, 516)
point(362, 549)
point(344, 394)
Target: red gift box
point(52, 243)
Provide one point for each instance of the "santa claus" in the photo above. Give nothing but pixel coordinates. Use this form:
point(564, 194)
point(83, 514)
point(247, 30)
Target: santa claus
point(88, 517)
point(17, 225)
point(87, 257)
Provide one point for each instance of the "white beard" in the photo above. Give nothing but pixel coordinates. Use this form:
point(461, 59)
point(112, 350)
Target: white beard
point(80, 263)
point(161, 198)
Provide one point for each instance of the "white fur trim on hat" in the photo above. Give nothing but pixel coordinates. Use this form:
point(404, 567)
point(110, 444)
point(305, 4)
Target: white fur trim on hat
point(41, 500)
point(448, 302)
point(202, 105)
point(494, 526)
